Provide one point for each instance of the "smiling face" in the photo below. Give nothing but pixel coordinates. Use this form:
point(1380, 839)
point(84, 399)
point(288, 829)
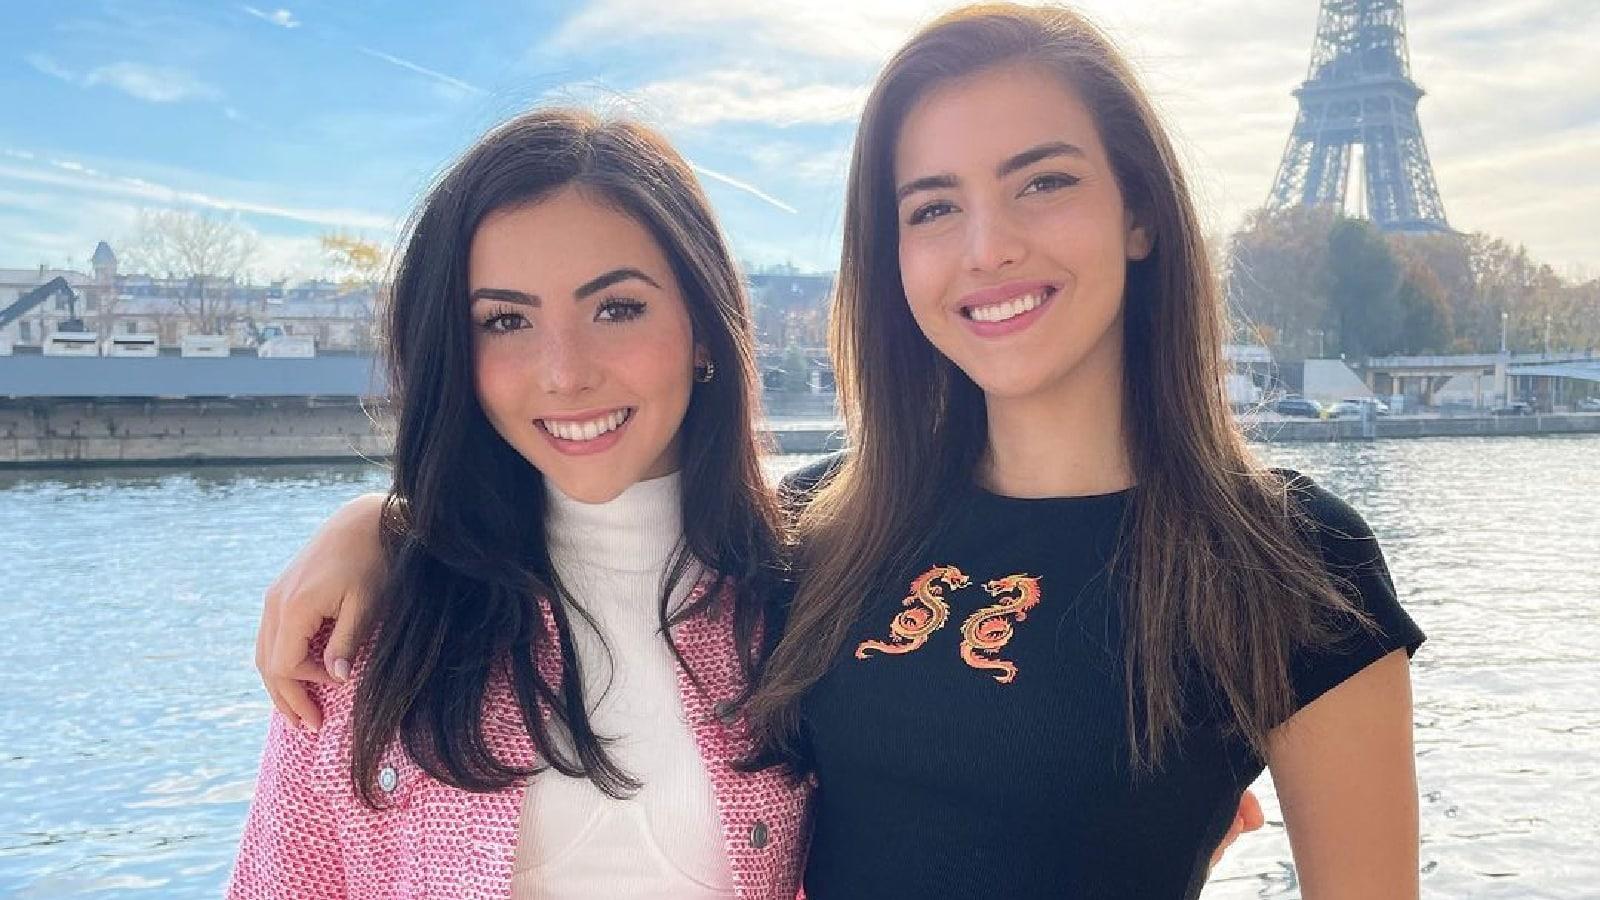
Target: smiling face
point(1013, 237)
point(583, 349)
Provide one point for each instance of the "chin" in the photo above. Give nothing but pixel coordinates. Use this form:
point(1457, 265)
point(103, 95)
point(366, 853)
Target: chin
point(1005, 383)
point(589, 490)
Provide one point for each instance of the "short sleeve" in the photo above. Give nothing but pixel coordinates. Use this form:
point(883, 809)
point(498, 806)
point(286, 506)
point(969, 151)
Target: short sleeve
point(1352, 556)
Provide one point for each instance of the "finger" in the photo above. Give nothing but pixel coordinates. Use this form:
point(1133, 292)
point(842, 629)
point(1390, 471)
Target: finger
point(309, 670)
point(283, 708)
point(303, 710)
point(348, 630)
point(1250, 811)
point(265, 630)
point(291, 642)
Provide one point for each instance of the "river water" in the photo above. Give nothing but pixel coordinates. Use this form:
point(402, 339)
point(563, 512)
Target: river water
point(132, 717)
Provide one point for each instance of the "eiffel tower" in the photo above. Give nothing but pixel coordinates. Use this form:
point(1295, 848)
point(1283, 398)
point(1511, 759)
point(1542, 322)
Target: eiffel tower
point(1359, 91)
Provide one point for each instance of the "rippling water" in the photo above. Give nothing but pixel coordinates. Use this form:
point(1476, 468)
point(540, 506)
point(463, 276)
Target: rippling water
point(133, 719)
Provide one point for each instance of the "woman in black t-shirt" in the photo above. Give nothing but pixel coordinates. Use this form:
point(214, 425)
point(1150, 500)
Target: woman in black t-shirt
point(1051, 616)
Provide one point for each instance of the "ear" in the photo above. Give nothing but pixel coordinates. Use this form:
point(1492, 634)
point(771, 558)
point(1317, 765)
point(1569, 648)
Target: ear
point(1139, 241)
point(701, 355)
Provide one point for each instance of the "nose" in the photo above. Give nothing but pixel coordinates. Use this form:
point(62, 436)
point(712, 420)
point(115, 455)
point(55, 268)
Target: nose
point(566, 363)
point(994, 241)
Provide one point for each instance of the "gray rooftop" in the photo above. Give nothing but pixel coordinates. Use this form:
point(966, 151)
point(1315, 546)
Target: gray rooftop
point(176, 376)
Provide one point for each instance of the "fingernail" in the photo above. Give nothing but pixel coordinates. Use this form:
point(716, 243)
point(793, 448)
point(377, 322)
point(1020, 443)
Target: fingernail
point(341, 669)
point(308, 726)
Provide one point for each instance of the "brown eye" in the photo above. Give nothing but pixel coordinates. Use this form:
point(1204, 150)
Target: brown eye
point(1044, 184)
point(500, 322)
point(930, 212)
point(619, 310)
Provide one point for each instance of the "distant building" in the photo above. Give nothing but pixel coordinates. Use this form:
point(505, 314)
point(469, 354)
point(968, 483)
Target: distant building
point(791, 307)
point(45, 318)
point(338, 317)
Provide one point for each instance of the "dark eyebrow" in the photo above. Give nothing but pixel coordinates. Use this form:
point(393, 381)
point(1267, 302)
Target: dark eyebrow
point(927, 183)
point(509, 296)
point(1044, 151)
point(610, 278)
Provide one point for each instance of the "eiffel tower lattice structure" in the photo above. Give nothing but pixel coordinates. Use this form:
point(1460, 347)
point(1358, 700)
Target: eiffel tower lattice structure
point(1359, 91)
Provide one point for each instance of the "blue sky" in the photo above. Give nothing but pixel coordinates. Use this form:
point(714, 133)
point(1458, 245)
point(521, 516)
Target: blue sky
point(319, 116)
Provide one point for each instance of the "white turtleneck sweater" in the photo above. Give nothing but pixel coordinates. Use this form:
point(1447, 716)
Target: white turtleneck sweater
point(665, 840)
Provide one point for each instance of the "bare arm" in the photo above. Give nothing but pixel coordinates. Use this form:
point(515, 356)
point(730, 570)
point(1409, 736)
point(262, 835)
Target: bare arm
point(332, 577)
point(1346, 779)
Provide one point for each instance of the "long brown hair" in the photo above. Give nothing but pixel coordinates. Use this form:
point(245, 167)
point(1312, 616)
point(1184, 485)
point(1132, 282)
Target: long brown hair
point(464, 526)
point(1214, 563)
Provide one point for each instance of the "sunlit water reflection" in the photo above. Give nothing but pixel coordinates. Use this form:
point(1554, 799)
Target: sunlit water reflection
point(133, 718)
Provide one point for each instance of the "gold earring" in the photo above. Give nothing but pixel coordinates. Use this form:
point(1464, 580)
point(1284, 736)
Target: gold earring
point(705, 372)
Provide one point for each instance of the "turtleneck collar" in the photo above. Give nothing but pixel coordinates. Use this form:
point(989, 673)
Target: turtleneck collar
point(637, 531)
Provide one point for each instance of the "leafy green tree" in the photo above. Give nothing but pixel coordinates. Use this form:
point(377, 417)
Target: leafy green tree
point(1363, 287)
point(1276, 281)
point(1425, 318)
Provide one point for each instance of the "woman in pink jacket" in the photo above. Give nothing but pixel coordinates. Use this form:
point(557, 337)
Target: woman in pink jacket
point(575, 547)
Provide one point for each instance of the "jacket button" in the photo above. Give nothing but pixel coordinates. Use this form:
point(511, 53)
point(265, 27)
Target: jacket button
point(388, 779)
point(725, 712)
point(758, 835)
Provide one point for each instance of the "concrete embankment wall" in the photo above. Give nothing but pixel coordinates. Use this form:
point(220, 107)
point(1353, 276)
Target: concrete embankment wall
point(59, 432)
point(1415, 427)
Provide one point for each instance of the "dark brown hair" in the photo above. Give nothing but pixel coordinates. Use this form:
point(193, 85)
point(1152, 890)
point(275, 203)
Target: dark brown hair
point(464, 526)
point(1214, 563)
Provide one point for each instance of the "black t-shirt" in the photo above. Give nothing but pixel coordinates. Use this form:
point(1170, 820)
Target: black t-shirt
point(987, 757)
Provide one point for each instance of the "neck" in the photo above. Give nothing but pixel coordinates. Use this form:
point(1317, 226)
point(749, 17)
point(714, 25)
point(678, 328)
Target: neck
point(638, 531)
point(1067, 440)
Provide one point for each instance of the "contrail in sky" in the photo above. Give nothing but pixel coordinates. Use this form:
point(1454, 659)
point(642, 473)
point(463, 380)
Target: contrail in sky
point(408, 64)
point(747, 188)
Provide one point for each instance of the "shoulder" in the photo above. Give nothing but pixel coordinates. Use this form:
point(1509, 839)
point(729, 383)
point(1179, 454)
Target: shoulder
point(802, 483)
point(1320, 506)
point(1338, 530)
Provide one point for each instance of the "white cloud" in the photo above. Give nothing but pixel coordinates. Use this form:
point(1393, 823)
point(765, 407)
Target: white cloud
point(279, 17)
point(748, 95)
point(74, 176)
point(50, 67)
point(791, 161)
point(867, 30)
point(153, 84)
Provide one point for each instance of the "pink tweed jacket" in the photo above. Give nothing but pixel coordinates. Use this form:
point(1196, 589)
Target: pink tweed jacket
point(309, 837)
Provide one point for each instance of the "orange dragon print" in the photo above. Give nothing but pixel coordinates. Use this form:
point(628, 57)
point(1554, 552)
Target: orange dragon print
point(986, 631)
point(926, 612)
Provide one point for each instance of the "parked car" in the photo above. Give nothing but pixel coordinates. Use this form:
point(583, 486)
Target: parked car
point(1379, 408)
point(1354, 406)
point(1589, 404)
point(1298, 406)
point(1514, 408)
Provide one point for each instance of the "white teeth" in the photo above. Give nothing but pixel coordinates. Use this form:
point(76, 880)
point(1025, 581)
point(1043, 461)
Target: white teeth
point(1008, 309)
point(586, 431)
